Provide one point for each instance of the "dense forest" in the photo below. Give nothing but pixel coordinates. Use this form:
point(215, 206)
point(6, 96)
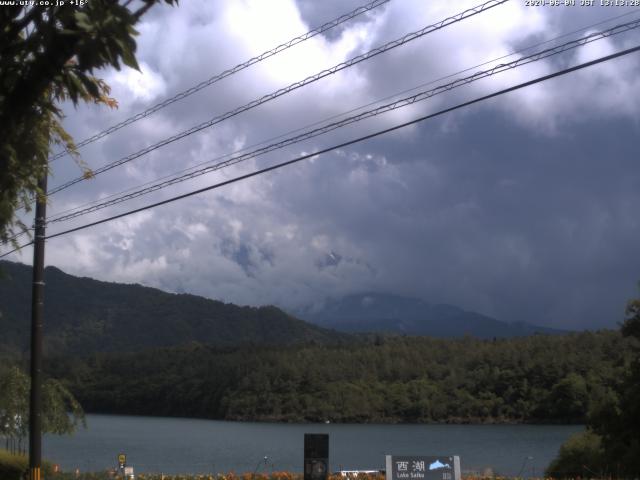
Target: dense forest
point(389, 379)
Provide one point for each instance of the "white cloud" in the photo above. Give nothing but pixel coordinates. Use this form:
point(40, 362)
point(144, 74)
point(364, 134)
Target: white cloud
point(132, 86)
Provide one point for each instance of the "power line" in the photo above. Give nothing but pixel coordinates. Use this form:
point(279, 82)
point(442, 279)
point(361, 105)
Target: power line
point(313, 78)
point(263, 142)
point(16, 249)
point(18, 235)
point(350, 142)
point(421, 96)
point(431, 82)
point(220, 76)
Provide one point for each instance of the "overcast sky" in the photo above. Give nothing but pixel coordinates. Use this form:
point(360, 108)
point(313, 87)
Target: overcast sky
point(524, 207)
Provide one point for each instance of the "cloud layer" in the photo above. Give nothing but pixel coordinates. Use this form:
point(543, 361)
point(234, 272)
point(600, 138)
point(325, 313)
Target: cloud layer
point(523, 207)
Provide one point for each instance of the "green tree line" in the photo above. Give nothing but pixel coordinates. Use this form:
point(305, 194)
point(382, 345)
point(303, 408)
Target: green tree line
point(388, 379)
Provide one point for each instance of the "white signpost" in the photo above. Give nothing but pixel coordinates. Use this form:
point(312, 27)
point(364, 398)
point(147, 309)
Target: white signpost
point(123, 468)
point(415, 467)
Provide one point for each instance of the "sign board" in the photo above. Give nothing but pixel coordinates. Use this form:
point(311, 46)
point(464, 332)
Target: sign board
point(128, 471)
point(415, 467)
point(316, 456)
point(122, 459)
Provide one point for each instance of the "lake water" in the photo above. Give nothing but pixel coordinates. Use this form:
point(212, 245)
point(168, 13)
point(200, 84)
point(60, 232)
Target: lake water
point(180, 445)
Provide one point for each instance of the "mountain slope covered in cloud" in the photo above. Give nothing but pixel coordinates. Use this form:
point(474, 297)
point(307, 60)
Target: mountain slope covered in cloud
point(374, 312)
point(83, 315)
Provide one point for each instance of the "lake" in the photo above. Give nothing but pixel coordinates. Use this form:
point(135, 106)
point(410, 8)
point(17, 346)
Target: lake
point(182, 445)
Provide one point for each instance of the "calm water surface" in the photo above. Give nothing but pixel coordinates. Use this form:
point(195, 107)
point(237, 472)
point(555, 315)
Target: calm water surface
point(179, 445)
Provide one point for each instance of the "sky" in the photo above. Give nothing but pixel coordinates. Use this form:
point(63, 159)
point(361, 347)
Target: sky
point(523, 207)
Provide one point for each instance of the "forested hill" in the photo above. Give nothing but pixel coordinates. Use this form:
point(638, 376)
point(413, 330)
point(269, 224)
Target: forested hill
point(396, 379)
point(189, 356)
point(83, 315)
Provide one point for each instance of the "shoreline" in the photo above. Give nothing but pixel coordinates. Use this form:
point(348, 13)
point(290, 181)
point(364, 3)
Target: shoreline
point(275, 421)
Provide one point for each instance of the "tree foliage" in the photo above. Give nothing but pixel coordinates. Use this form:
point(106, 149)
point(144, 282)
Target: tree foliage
point(618, 422)
point(580, 456)
point(48, 54)
point(61, 413)
point(611, 445)
point(14, 407)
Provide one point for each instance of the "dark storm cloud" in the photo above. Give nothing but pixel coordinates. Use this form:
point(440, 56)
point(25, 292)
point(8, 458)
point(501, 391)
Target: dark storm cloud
point(491, 217)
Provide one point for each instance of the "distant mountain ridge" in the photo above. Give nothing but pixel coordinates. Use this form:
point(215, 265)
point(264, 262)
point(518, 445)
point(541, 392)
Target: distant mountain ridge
point(83, 315)
point(375, 312)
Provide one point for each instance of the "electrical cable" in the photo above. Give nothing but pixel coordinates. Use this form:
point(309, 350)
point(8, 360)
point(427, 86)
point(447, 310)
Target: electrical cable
point(342, 114)
point(17, 235)
point(348, 143)
point(216, 78)
point(266, 98)
point(421, 96)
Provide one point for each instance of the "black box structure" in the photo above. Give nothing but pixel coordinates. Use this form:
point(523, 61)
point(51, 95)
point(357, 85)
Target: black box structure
point(316, 456)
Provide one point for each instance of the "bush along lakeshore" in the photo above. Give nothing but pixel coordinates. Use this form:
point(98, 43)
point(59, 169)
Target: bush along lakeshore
point(611, 445)
point(14, 465)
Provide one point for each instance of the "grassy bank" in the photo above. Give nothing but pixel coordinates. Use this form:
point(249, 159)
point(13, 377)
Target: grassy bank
point(13, 466)
point(230, 476)
point(218, 476)
point(250, 476)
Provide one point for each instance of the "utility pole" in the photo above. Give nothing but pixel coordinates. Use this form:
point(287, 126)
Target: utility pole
point(37, 304)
